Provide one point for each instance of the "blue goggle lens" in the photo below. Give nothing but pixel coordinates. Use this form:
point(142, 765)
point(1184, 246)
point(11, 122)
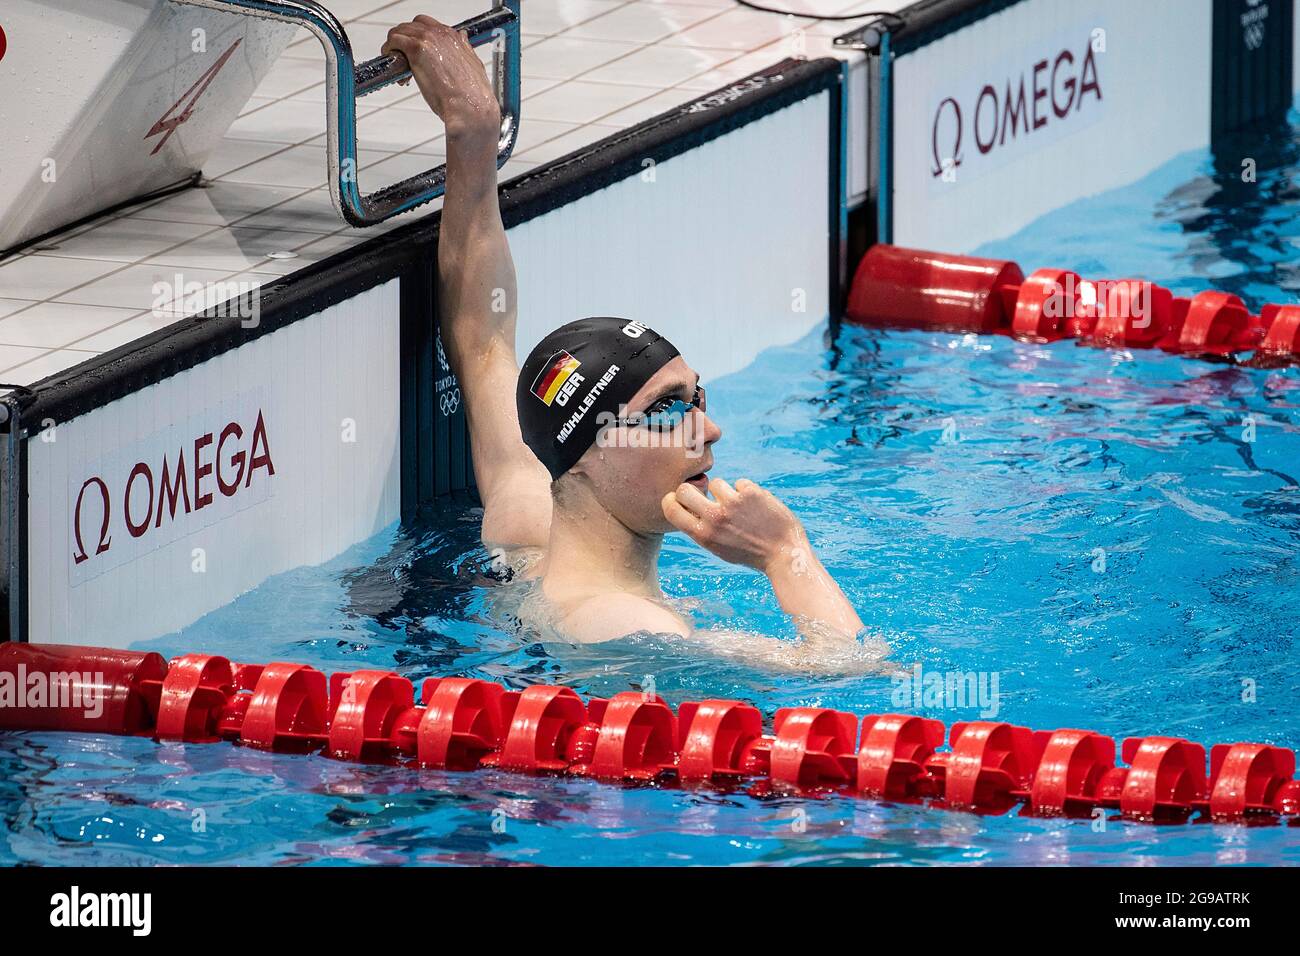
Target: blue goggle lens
point(669, 416)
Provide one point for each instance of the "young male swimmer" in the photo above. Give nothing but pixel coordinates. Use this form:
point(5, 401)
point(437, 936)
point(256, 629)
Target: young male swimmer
point(601, 443)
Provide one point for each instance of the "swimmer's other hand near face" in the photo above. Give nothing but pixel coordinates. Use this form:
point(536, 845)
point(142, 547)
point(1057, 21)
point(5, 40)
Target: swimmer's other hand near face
point(449, 73)
point(748, 525)
point(743, 525)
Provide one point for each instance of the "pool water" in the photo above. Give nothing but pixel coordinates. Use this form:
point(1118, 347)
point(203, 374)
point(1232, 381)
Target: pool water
point(1103, 539)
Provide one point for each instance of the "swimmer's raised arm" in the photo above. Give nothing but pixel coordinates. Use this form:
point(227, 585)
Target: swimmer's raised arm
point(476, 289)
point(748, 525)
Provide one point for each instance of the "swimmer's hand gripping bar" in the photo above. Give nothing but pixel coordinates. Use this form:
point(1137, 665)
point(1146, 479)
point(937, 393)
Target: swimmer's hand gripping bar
point(347, 81)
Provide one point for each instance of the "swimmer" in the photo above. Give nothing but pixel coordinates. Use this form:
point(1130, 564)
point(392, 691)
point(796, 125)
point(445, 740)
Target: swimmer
point(602, 442)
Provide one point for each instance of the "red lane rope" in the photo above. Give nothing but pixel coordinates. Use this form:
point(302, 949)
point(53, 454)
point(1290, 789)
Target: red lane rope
point(933, 291)
point(464, 724)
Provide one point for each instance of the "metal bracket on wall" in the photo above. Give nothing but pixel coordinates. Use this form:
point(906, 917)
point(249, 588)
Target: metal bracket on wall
point(348, 81)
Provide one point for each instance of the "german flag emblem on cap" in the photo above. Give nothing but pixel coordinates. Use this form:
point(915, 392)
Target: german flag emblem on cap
point(553, 375)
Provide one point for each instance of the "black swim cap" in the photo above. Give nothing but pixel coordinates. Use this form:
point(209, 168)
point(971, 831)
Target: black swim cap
point(581, 369)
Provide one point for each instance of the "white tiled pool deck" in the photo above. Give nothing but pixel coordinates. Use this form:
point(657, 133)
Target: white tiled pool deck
point(590, 67)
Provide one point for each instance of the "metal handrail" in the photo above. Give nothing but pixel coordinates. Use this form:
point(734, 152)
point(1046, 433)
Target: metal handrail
point(347, 81)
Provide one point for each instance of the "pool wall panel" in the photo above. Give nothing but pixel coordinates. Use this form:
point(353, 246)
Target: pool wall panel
point(317, 384)
point(686, 249)
point(1252, 69)
point(857, 119)
point(1152, 102)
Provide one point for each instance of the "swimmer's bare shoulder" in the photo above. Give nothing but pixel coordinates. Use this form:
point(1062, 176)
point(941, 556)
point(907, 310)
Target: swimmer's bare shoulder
point(605, 617)
point(585, 617)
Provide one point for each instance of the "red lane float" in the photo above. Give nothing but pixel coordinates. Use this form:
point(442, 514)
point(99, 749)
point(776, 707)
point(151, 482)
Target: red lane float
point(1282, 339)
point(1249, 778)
point(990, 768)
point(464, 724)
point(542, 721)
point(1070, 772)
point(634, 738)
point(714, 737)
point(1043, 314)
point(124, 686)
point(194, 694)
point(1165, 779)
point(814, 748)
point(366, 721)
point(288, 709)
point(894, 755)
point(908, 288)
point(895, 287)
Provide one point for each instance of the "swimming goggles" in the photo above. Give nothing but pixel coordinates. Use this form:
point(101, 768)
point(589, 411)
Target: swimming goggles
point(667, 413)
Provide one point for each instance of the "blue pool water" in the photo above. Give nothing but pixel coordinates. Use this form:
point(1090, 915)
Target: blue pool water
point(1095, 530)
